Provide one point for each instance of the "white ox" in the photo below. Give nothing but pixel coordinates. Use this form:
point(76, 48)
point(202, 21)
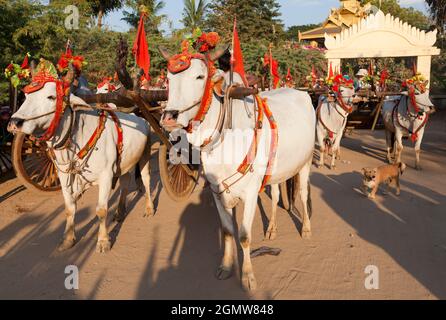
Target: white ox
point(403, 118)
point(331, 122)
point(99, 167)
point(295, 117)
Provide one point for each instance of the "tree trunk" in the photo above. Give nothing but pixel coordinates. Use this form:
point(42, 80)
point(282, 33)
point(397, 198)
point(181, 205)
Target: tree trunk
point(100, 15)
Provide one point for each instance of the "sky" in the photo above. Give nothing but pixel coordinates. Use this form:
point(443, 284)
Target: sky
point(294, 12)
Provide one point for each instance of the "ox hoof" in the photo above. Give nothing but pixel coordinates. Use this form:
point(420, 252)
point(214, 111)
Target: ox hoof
point(249, 282)
point(332, 167)
point(418, 168)
point(306, 234)
point(119, 216)
point(66, 244)
point(150, 212)
point(103, 246)
point(271, 234)
point(223, 273)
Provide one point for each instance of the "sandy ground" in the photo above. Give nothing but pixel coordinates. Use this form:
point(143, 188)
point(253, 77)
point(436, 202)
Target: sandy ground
point(175, 253)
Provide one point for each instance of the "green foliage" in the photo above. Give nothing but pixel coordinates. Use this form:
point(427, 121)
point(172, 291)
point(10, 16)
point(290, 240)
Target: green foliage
point(299, 61)
point(437, 10)
point(439, 72)
point(154, 18)
point(410, 15)
point(194, 13)
point(399, 69)
point(256, 19)
point(100, 8)
point(292, 32)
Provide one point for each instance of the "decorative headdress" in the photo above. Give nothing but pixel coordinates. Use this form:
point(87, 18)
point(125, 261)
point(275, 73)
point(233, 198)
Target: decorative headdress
point(107, 81)
point(78, 62)
point(338, 81)
point(45, 72)
point(417, 82)
point(18, 73)
point(194, 47)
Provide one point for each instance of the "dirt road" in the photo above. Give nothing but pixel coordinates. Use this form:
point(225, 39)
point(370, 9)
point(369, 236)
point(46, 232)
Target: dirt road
point(175, 253)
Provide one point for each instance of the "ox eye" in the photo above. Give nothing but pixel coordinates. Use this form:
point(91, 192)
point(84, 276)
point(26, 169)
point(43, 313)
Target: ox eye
point(51, 97)
point(201, 77)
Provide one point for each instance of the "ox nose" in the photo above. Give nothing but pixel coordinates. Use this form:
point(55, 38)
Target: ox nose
point(15, 124)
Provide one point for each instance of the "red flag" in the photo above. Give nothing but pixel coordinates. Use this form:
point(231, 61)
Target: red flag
point(313, 76)
point(25, 64)
point(330, 75)
point(288, 75)
point(140, 48)
point(275, 72)
point(237, 55)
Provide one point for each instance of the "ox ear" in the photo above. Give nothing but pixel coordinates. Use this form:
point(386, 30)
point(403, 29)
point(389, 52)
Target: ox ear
point(217, 53)
point(76, 101)
point(164, 52)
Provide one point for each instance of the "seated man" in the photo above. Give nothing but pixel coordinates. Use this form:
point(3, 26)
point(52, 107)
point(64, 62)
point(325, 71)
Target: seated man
point(359, 82)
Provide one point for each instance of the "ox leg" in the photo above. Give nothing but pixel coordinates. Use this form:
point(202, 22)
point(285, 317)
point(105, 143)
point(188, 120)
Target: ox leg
point(398, 146)
point(248, 279)
point(418, 150)
point(390, 145)
point(321, 143)
point(305, 196)
point(124, 182)
point(69, 237)
point(144, 165)
point(335, 151)
point(224, 271)
point(105, 187)
point(271, 233)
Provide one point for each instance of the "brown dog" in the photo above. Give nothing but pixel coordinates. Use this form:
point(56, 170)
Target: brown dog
point(387, 174)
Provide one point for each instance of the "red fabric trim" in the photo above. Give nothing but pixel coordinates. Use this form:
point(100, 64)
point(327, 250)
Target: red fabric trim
point(94, 138)
point(273, 144)
point(252, 152)
point(60, 107)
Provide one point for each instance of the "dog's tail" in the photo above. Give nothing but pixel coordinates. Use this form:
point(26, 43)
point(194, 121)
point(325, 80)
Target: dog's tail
point(401, 167)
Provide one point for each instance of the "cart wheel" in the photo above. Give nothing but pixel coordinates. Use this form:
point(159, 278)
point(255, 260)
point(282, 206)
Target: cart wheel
point(32, 164)
point(176, 181)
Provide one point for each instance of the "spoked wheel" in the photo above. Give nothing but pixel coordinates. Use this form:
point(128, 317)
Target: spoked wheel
point(33, 165)
point(177, 182)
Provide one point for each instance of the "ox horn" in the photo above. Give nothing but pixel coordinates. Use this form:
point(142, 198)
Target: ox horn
point(164, 52)
point(213, 56)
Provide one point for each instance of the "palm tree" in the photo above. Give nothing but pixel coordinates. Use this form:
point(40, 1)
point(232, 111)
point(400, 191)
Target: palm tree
point(154, 18)
point(437, 10)
point(193, 13)
point(102, 7)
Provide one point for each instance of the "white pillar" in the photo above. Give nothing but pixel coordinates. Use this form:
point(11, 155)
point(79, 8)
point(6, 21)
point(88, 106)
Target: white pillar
point(424, 67)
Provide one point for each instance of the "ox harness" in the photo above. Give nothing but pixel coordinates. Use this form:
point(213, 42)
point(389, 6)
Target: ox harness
point(418, 115)
point(75, 165)
point(182, 62)
point(337, 101)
